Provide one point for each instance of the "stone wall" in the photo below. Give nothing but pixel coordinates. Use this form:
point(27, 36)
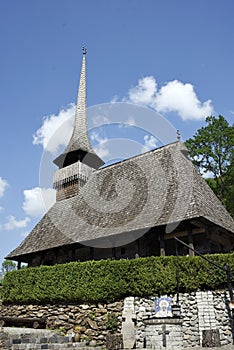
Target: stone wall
point(200, 312)
point(89, 321)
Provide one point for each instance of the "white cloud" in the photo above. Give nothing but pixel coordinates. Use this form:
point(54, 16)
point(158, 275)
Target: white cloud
point(131, 121)
point(100, 120)
point(101, 148)
point(1, 209)
point(56, 130)
point(102, 151)
point(145, 92)
point(174, 96)
point(3, 186)
point(150, 143)
point(38, 200)
point(114, 99)
point(14, 224)
point(181, 98)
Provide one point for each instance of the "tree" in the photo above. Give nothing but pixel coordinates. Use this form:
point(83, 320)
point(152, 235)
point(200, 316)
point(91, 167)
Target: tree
point(212, 151)
point(230, 189)
point(8, 266)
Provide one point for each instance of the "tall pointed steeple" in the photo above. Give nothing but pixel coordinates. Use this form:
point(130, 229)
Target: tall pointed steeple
point(79, 159)
point(79, 147)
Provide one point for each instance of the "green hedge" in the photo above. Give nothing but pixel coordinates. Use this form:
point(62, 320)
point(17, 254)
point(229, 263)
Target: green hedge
point(111, 280)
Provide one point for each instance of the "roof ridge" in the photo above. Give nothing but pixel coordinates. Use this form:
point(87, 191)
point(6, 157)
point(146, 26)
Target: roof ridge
point(138, 156)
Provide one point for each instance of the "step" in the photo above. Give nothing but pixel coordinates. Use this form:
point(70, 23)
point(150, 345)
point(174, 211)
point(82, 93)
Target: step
point(31, 339)
point(54, 346)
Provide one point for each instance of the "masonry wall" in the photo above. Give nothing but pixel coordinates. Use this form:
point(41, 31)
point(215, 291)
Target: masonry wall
point(90, 320)
point(201, 310)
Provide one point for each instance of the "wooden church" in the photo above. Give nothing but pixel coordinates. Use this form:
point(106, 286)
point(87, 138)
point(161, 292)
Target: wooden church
point(130, 209)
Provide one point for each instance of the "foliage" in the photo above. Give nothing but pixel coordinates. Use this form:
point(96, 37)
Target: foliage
point(111, 280)
point(230, 189)
point(112, 322)
point(212, 151)
point(8, 265)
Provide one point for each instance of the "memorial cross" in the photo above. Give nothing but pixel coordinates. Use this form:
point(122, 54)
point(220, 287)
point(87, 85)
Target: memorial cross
point(164, 333)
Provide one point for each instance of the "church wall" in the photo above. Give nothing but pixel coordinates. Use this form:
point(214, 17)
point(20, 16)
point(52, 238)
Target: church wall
point(67, 190)
point(147, 245)
point(83, 254)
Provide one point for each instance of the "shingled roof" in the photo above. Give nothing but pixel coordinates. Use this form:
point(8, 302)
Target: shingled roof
point(79, 146)
point(160, 187)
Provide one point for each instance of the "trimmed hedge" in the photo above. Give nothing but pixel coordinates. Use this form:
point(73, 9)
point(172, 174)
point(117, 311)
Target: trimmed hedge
point(111, 280)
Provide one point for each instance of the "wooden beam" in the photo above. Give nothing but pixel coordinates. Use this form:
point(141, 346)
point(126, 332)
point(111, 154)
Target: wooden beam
point(195, 231)
point(190, 241)
point(198, 223)
point(137, 255)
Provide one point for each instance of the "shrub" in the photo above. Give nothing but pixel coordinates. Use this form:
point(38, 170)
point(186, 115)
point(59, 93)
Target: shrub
point(111, 280)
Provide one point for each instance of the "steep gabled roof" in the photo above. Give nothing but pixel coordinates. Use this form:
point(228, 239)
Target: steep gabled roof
point(160, 187)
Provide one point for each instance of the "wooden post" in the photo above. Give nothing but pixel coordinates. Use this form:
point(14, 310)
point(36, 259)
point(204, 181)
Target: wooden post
point(19, 265)
point(137, 255)
point(190, 240)
point(73, 254)
point(113, 253)
point(91, 250)
point(162, 244)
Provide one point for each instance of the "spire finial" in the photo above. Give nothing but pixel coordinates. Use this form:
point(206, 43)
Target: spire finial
point(178, 135)
point(84, 50)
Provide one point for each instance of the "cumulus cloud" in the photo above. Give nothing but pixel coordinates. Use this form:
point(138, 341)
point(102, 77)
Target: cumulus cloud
point(13, 224)
point(181, 98)
point(38, 200)
point(145, 92)
point(150, 142)
point(101, 148)
point(174, 96)
point(114, 99)
point(56, 130)
point(1, 209)
point(3, 186)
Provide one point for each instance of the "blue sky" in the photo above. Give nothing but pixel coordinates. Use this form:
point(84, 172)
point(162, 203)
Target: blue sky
point(172, 56)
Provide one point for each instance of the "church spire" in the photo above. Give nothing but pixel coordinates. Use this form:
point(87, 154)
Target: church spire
point(79, 147)
point(80, 137)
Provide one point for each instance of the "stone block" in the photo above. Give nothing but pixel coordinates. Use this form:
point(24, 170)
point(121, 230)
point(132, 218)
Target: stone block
point(210, 338)
point(114, 341)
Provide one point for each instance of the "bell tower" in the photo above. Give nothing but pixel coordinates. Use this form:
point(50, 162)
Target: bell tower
point(79, 159)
